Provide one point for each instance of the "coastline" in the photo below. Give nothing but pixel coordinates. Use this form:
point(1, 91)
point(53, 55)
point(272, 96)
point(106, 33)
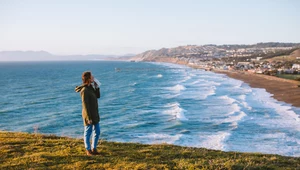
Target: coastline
point(282, 89)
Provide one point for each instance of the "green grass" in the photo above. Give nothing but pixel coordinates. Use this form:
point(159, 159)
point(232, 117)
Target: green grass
point(289, 76)
point(36, 151)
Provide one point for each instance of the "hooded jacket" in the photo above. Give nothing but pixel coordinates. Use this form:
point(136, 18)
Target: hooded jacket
point(89, 98)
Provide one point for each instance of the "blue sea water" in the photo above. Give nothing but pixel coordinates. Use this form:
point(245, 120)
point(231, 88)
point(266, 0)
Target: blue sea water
point(149, 103)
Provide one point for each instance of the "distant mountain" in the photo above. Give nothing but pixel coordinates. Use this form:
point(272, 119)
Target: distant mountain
point(46, 56)
point(24, 55)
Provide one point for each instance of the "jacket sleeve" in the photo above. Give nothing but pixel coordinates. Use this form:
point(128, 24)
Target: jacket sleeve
point(97, 91)
point(86, 104)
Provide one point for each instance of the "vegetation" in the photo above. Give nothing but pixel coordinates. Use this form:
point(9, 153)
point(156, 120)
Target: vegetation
point(278, 53)
point(258, 45)
point(289, 76)
point(282, 55)
point(36, 151)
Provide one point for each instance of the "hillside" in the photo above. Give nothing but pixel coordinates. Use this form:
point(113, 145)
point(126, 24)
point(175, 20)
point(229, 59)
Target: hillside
point(35, 151)
point(289, 56)
point(295, 54)
point(152, 55)
point(217, 51)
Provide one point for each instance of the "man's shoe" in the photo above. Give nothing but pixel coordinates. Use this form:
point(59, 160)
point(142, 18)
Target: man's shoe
point(94, 152)
point(89, 153)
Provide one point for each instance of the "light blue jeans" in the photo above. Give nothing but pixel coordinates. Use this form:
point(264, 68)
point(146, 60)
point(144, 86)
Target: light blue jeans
point(87, 135)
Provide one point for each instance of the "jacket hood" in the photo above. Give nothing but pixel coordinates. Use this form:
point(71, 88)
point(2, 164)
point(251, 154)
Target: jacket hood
point(79, 88)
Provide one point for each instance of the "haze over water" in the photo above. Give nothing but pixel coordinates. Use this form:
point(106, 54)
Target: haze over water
point(149, 103)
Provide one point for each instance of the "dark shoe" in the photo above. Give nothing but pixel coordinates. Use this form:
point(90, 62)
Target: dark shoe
point(89, 153)
point(94, 152)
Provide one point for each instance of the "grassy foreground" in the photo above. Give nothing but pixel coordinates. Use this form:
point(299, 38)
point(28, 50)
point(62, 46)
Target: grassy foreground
point(36, 151)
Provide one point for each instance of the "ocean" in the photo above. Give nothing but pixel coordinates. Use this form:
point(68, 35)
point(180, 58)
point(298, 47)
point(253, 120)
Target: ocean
point(149, 103)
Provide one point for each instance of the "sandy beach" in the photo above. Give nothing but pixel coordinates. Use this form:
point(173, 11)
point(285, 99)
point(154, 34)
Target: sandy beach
point(282, 89)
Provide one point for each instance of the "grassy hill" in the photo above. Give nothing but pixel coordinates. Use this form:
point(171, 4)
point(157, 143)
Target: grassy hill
point(285, 57)
point(36, 151)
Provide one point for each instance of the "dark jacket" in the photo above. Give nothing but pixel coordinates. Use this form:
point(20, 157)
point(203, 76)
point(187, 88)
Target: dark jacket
point(89, 98)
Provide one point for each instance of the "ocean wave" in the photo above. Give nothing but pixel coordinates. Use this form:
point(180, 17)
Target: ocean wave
point(204, 83)
point(176, 88)
point(288, 118)
point(226, 100)
point(170, 96)
point(175, 110)
point(186, 78)
point(234, 108)
point(159, 75)
point(282, 144)
point(242, 100)
point(133, 84)
point(158, 138)
point(198, 93)
point(214, 141)
point(234, 119)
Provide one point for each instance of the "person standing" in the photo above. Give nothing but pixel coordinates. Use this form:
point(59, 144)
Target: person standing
point(90, 92)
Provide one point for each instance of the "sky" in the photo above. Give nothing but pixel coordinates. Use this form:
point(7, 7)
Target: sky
point(118, 27)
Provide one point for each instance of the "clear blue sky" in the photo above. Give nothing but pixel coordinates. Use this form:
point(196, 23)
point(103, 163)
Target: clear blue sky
point(133, 26)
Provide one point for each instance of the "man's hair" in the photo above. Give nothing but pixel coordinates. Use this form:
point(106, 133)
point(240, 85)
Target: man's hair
point(86, 76)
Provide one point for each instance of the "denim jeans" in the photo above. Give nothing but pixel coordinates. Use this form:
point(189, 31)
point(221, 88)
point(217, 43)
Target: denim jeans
point(87, 135)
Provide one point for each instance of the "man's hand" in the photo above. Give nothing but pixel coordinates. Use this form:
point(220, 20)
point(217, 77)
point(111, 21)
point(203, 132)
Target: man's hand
point(90, 122)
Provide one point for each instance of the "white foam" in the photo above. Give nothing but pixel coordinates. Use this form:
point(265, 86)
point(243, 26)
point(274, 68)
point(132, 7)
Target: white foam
point(181, 116)
point(288, 117)
point(234, 109)
point(194, 82)
point(242, 99)
point(159, 75)
point(158, 138)
point(214, 141)
point(170, 96)
point(186, 78)
point(227, 100)
point(133, 84)
point(175, 110)
point(234, 119)
point(176, 88)
point(175, 104)
point(279, 144)
point(207, 83)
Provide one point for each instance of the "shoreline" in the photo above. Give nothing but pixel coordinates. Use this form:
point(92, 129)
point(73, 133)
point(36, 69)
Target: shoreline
point(283, 90)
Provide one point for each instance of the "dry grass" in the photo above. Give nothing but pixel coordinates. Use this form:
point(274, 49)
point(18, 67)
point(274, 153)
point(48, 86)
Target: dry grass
point(35, 151)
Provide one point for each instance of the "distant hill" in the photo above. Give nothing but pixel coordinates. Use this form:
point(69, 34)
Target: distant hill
point(207, 51)
point(258, 45)
point(24, 55)
point(46, 56)
point(289, 55)
point(296, 53)
point(174, 52)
